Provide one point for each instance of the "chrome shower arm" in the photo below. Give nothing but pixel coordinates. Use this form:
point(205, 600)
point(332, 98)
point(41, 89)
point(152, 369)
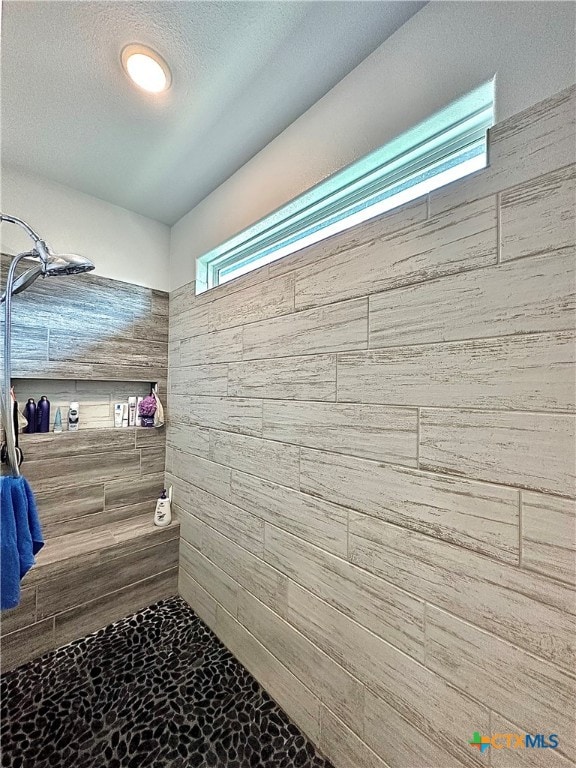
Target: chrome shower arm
point(40, 246)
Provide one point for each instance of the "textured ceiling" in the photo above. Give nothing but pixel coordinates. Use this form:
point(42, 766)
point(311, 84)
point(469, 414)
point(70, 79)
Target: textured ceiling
point(242, 72)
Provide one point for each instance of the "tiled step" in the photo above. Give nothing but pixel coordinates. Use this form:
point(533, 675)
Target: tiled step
point(82, 581)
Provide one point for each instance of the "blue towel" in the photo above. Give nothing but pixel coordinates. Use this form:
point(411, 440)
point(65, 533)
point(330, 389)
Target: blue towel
point(20, 537)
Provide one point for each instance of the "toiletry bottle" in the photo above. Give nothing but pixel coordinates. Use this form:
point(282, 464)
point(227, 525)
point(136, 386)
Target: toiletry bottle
point(124, 414)
point(163, 513)
point(132, 411)
point(138, 417)
point(73, 417)
point(58, 420)
point(118, 411)
point(30, 415)
point(43, 415)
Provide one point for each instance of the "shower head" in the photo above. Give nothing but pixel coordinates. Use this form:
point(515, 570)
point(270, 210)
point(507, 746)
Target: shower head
point(66, 264)
point(24, 280)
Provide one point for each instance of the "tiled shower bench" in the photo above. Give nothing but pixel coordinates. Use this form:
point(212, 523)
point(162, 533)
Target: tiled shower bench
point(84, 580)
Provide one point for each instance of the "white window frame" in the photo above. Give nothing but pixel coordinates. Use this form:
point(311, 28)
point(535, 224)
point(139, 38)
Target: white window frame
point(447, 146)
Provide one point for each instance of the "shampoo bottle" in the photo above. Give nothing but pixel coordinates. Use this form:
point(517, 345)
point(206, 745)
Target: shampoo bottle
point(163, 514)
point(30, 416)
point(118, 413)
point(43, 415)
point(132, 411)
point(73, 417)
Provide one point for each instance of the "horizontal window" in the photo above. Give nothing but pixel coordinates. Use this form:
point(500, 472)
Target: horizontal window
point(445, 147)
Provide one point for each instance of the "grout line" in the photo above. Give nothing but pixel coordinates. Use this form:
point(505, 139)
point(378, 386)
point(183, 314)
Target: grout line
point(520, 529)
point(498, 227)
point(418, 418)
point(394, 465)
point(361, 351)
point(425, 633)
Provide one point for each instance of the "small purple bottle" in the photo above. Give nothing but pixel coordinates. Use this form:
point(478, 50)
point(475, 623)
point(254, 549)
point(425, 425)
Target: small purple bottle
point(43, 415)
point(30, 415)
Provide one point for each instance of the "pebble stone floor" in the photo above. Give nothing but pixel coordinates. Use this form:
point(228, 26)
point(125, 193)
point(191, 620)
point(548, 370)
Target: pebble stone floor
point(155, 689)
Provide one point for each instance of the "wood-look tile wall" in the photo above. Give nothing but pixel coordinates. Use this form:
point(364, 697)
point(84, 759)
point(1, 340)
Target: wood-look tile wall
point(89, 327)
point(96, 341)
point(372, 449)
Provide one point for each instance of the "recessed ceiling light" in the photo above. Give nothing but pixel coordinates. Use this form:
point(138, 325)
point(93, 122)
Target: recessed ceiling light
point(146, 68)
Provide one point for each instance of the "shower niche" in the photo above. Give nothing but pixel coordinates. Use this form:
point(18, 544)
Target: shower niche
point(96, 398)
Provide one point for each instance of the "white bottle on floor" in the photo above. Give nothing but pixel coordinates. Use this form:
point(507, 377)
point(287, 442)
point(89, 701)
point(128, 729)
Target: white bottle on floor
point(163, 513)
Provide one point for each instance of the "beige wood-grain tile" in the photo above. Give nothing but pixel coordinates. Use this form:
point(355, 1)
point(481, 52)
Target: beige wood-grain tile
point(231, 414)
point(152, 460)
point(314, 520)
point(212, 578)
point(180, 491)
point(530, 450)
point(192, 530)
point(533, 371)
point(60, 593)
point(447, 243)
point(26, 644)
point(197, 598)
point(114, 349)
point(192, 319)
point(389, 612)
point(372, 431)
point(299, 703)
point(181, 298)
point(23, 615)
point(268, 459)
point(529, 144)
point(539, 216)
point(132, 490)
point(442, 712)
point(150, 328)
point(311, 377)
point(77, 501)
point(474, 515)
point(536, 294)
point(342, 746)
point(505, 678)
point(409, 746)
point(189, 438)
point(74, 546)
point(330, 682)
point(242, 527)
point(49, 474)
point(250, 572)
point(372, 229)
point(527, 609)
point(211, 477)
point(173, 355)
point(257, 302)
point(549, 535)
point(43, 571)
point(333, 328)
point(160, 303)
point(135, 534)
point(29, 343)
point(103, 519)
point(218, 347)
point(148, 437)
point(95, 614)
point(200, 380)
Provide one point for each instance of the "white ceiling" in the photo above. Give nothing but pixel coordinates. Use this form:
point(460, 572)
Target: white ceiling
point(242, 72)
